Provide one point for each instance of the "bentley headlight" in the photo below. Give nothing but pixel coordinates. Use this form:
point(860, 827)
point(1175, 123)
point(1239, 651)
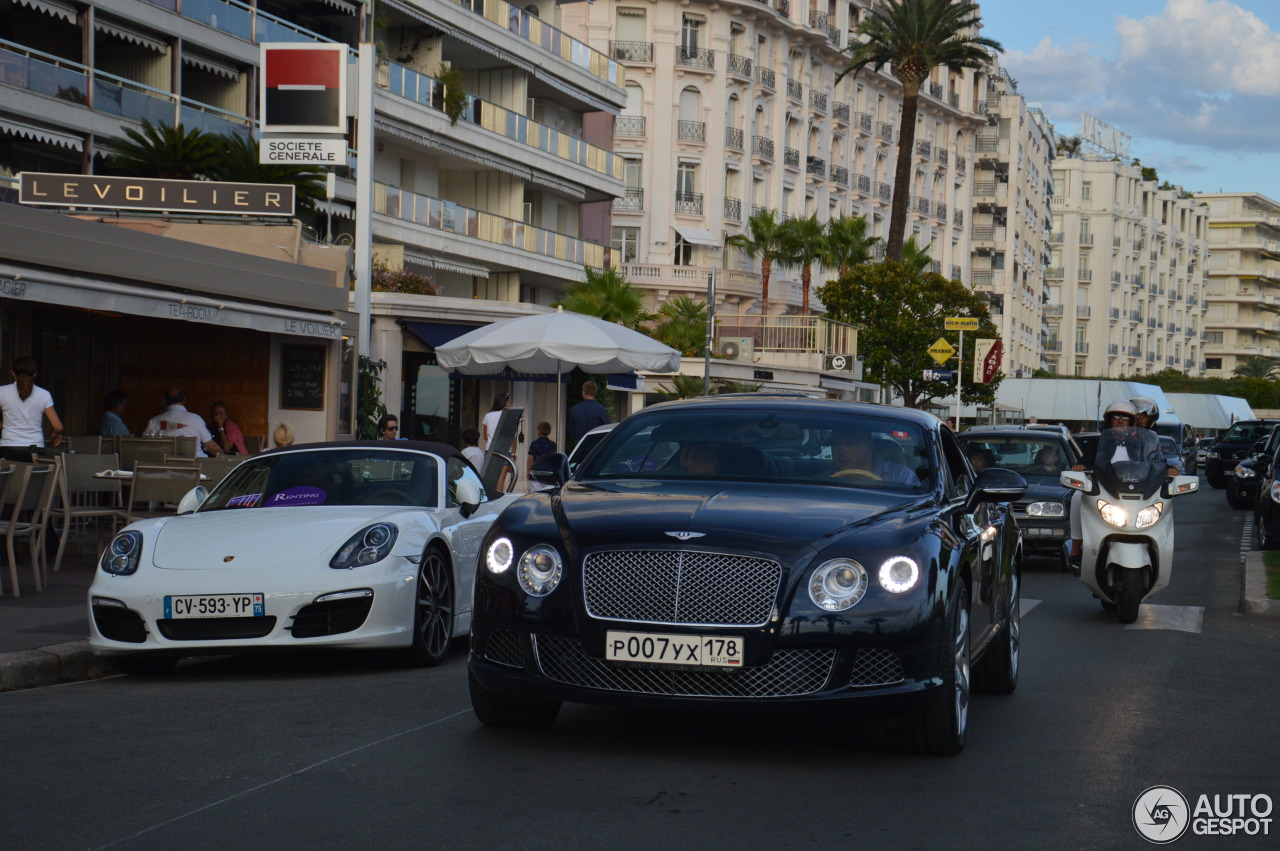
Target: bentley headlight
point(540, 570)
point(1148, 516)
point(1113, 514)
point(1243, 472)
point(122, 554)
point(1045, 509)
point(899, 574)
point(1275, 492)
point(838, 584)
point(499, 556)
point(371, 544)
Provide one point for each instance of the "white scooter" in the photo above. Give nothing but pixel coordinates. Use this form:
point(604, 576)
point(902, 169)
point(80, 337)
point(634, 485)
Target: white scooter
point(1126, 519)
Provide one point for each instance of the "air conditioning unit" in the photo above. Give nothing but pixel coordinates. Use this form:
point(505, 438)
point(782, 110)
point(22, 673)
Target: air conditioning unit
point(737, 348)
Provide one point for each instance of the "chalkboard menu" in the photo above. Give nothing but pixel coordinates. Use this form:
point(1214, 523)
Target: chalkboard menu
point(302, 377)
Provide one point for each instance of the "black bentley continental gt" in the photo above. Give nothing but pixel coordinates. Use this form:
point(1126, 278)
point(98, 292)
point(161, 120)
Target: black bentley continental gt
point(753, 551)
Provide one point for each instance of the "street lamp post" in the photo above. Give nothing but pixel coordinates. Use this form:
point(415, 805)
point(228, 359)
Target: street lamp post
point(711, 325)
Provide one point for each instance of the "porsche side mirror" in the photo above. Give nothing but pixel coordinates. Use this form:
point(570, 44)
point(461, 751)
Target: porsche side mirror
point(996, 484)
point(467, 493)
point(1078, 481)
point(192, 499)
point(551, 469)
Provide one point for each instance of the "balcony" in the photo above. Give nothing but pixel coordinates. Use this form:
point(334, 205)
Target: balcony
point(864, 184)
point(884, 191)
point(940, 156)
point(1082, 348)
point(790, 335)
point(693, 279)
point(791, 158)
point(818, 20)
point(1086, 240)
point(935, 91)
point(840, 175)
point(987, 144)
point(766, 78)
point(1053, 346)
point(1113, 349)
point(733, 209)
point(815, 166)
point(795, 91)
point(1053, 310)
point(532, 29)
point(762, 147)
point(818, 101)
point(957, 218)
point(841, 112)
point(920, 205)
point(1056, 238)
point(632, 199)
point(784, 8)
point(696, 57)
point(1054, 273)
point(688, 204)
point(739, 66)
point(884, 131)
point(1113, 313)
point(955, 274)
point(733, 138)
point(1084, 274)
point(631, 51)
point(863, 120)
point(629, 125)
point(961, 164)
point(691, 131)
point(1083, 311)
point(924, 148)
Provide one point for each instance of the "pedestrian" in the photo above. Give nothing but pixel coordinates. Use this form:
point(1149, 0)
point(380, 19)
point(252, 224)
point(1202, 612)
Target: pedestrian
point(489, 425)
point(389, 427)
point(23, 409)
point(544, 445)
point(113, 405)
point(228, 435)
point(587, 414)
point(470, 451)
point(951, 423)
point(283, 435)
point(176, 420)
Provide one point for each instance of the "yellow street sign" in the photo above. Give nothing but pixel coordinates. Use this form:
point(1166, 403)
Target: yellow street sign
point(942, 351)
point(960, 323)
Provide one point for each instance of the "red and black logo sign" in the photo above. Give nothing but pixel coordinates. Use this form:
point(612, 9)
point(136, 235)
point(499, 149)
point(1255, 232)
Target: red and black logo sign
point(303, 88)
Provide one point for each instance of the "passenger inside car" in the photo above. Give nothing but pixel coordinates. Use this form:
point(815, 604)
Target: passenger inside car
point(852, 450)
point(701, 458)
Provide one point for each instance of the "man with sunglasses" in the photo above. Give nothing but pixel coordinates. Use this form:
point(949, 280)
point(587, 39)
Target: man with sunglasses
point(1119, 414)
point(389, 427)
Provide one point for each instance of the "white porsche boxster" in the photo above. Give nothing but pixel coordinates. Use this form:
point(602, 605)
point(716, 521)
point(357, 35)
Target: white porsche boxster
point(327, 545)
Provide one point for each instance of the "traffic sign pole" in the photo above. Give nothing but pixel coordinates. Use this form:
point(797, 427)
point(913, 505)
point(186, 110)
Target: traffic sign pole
point(959, 377)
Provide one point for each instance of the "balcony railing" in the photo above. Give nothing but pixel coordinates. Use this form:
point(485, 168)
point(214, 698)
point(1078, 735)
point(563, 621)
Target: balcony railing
point(863, 120)
point(818, 101)
point(1083, 311)
point(632, 199)
point(688, 204)
point(864, 184)
point(784, 8)
point(884, 191)
point(924, 148)
point(815, 166)
point(841, 112)
point(940, 211)
point(957, 218)
point(791, 157)
point(537, 31)
point(733, 138)
point(439, 214)
point(795, 91)
point(691, 131)
point(696, 57)
point(631, 51)
point(794, 334)
point(766, 78)
point(885, 131)
point(961, 164)
point(956, 272)
point(935, 90)
point(629, 125)
point(940, 155)
point(1082, 348)
point(840, 175)
point(762, 147)
point(920, 205)
point(739, 66)
point(1053, 272)
point(733, 209)
point(818, 20)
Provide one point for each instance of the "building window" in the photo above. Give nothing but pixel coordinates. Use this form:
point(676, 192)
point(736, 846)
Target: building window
point(689, 34)
point(1086, 190)
point(626, 241)
point(1213, 363)
point(1213, 337)
point(684, 252)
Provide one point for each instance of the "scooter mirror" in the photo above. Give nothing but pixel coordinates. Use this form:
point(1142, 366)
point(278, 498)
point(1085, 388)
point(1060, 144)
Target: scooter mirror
point(1078, 481)
point(1180, 485)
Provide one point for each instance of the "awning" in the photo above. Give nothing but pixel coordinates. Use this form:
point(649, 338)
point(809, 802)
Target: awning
point(343, 5)
point(437, 333)
point(697, 236)
point(130, 34)
point(40, 134)
point(625, 381)
point(213, 66)
point(445, 264)
point(39, 286)
point(335, 208)
point(57, 8)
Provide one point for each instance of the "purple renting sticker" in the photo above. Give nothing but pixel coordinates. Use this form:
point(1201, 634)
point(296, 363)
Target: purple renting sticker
point(248, 500)
point(297, 496)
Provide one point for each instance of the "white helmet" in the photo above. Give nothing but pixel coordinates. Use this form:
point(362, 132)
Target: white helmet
point(1121, 406)
point(1148, 406)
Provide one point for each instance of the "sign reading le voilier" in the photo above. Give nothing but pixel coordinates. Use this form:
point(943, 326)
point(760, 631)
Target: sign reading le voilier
point(146, 193)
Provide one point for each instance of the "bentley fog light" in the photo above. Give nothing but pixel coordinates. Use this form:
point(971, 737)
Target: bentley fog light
point(1113, 514)
point(1149, 515)
point(899, 574)
point(540, 570)
point(499, 556)
point(1044, 509)
point(369, 545)
point(121, 556)
point(838, 584)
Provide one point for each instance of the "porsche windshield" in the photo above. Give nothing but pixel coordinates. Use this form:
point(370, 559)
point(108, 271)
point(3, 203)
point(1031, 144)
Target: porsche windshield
point(329, 477)
point(759, 444)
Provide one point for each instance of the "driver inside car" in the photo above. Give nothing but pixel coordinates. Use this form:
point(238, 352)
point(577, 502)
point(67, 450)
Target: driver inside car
point(854, 459)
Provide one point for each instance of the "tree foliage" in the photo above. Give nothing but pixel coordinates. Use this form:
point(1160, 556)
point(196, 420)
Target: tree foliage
point(608, 295)
point(237, 162)
point(682, 325)
point(899, 313)
point(172, 153)
point(804, 241)
point(1256, 367)
point(764, 239)
point(847, 244)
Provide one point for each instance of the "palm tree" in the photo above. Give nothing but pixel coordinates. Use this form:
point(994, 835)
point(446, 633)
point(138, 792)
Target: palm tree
point(682, 325)
point(914, 37)
point(1070, 146)
point(237, 162)
point(1256, 367)
point(764, 239)
point(847, 243)
point(608, 295)
point(805, 241)
point(914, 256)
point(173, 153)
point(682, 387)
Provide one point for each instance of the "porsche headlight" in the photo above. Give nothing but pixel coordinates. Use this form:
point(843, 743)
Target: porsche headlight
point(540, 570)
point(1243, 472)
point(838, 584)
point(499, 556)
point(1113, 514)
point(1148, 516)
point(122, 554)
point(1045, 509)
point(371, 544)
point(899, 574)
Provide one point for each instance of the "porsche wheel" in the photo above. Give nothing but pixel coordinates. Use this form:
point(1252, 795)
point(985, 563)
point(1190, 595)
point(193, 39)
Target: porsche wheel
point(144, 666)
point(997, 673)
point(433, 611)
point(946, 721)
point(495, 709)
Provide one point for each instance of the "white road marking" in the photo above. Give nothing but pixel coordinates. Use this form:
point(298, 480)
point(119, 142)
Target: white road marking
point(1027, 605)
point(1181, 618)
point(1246, 537)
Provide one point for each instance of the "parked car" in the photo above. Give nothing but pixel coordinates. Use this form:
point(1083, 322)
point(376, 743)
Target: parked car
point(1172, 453)
point(1242, 487)
point(1227, 452)
point(1266, 507)
point(756, 552)
point(1202, 449)
point(589, 441)
point(1042, 513)
point(369, 544)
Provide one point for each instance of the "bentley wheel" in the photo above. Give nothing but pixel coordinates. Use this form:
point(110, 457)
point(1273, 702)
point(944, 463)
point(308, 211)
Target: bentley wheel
point(946, 721)
point(144, 666)
point(1236, 499)
point(433, 611)
point(495, 709)
point(1129, 595)
point(997, 673)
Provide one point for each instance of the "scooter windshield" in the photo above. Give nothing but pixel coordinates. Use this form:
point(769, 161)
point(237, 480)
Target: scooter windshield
point(1129, 462)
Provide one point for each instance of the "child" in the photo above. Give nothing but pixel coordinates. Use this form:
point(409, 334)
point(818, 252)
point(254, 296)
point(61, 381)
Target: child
point(470, 450)
point(544, 445)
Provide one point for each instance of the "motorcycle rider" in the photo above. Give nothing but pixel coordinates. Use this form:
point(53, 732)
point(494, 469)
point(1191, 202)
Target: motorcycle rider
point(1148, 412)
point(1119, 414)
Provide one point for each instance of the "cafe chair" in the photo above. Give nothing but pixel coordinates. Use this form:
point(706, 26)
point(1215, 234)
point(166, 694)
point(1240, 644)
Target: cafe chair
point(255, 443)
point(88, 444)
point(186, 445)
point(27, 495)
point(216, 469)
point(144, 450)
point(83, 497)
point(158, 489)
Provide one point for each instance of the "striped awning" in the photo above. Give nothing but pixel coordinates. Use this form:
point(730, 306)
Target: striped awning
point(434, 261)
point(40, 134)
point(130, 34)
point(213, 66)
point(57, 8)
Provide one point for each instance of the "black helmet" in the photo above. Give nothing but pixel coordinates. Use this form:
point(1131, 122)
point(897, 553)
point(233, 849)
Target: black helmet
point(1148, 406)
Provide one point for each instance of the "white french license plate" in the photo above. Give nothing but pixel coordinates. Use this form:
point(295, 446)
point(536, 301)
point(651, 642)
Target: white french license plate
point(703, 651)
point(214, 606)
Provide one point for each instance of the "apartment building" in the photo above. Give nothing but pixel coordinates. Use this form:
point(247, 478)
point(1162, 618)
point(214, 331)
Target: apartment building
point(733, 107)
point(1243, 287)
point(1012, 220)
point(1127, 272)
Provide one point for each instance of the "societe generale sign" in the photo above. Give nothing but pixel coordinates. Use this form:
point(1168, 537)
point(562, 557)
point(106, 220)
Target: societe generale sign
point(92, 191)
point(303, 88)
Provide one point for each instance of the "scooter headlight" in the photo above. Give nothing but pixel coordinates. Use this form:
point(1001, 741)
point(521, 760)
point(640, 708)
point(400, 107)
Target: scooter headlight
point(1113, 514)
point(1148, 516)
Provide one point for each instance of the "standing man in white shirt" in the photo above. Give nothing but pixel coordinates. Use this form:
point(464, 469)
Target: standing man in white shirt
point(176, 420)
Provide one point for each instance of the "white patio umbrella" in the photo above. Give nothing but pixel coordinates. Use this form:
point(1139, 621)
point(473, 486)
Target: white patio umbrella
point(546, 343)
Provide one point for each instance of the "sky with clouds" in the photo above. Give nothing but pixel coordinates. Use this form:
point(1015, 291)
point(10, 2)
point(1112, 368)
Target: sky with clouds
point(1196, 83)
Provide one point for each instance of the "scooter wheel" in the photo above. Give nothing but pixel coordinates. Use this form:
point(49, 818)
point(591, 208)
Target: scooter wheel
point(1129, 595)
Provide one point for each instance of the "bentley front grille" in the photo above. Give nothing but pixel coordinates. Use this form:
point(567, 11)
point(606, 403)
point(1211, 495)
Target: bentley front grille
point(788, 674)
point(876, 666)
point(504, 647)
point(680, 587)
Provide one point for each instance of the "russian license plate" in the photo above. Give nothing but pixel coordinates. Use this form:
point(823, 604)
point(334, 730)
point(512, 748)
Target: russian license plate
point(214, 606)
point(703, 651)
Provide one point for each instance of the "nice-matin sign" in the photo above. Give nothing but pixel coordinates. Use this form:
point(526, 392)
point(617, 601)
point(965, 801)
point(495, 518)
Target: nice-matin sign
point(145, 193)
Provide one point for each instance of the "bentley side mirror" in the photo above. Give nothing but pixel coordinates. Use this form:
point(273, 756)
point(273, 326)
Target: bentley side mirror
point(551, 469)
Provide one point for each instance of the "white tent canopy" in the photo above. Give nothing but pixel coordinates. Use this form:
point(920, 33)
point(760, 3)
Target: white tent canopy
point(1210, 411)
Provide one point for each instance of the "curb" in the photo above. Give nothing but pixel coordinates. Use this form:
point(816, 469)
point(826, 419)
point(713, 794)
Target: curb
point(1255, 601)
point(58, 663)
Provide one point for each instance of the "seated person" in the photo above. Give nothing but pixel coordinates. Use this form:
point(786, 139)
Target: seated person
point(1048, 462)
point(701, 458)
point(980, 459)
point(853, 456)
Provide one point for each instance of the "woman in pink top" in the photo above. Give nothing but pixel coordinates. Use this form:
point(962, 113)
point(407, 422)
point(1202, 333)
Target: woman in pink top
point(226, 433)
